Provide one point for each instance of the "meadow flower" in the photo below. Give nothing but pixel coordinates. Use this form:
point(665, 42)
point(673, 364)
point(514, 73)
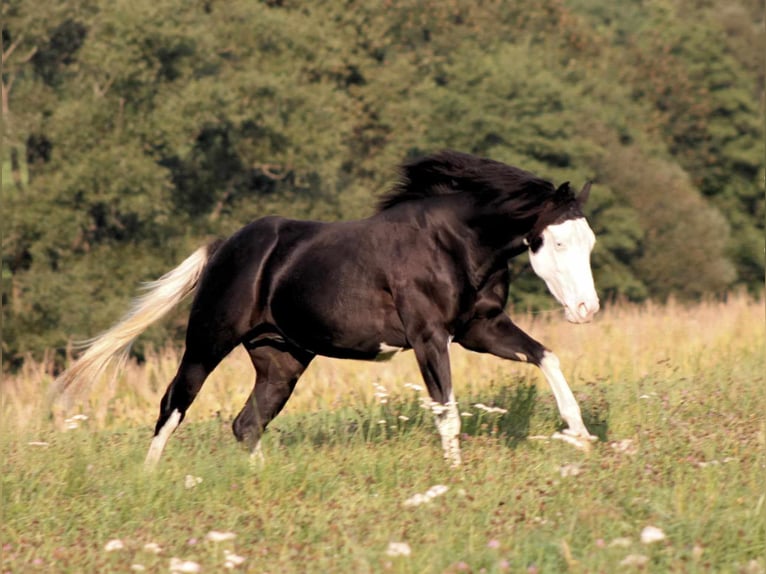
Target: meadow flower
point(494, 544)
point(232, 559)
point(486, 409)
point(191, 481)
point(138, 567)
point(114, 544)
point(414, 387)
point(570, 470)
point(620, 542)
point(430, 494)
point(398, 549)
point(152, 547)
point(466, 414)
point(184, 566)
point(438, 408)
point(652, 534)
point(74, 421)
point(37, 443)
point(381, 393)
point(637, 560)
point(215, 536)
point(403, 418)
point(703, 464)
point(625, 446)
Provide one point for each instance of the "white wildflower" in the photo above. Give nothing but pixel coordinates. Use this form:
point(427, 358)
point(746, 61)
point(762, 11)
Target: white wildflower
point(486, 409)
point(398, 549)
point(138, 567)
point(625, 446)
point(652, 534)
point(438, 408)
point(74, 421)
point(466, 414)
point(114, 544)
point(414, 387)
point(637, 560)
point(232, 560)
point(703, 464)
point(403, 418)
point(620, 542)
point(184, 566)
point(215, 536)
point(430, 494)
point(437, 490)
point(152, 547)
point(37, 443)
point(570, 470)
point(191, 481)
point(381, 393)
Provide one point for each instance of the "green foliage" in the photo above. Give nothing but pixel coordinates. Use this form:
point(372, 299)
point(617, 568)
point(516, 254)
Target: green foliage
point(145, 127)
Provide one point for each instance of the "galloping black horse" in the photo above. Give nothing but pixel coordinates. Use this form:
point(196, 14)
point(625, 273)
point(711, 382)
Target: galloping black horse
point(429, 268)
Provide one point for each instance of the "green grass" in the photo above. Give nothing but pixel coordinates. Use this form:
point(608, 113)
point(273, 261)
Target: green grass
point(329, 498)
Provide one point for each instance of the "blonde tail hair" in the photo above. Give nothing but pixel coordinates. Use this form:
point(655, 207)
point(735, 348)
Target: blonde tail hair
point(160, 297)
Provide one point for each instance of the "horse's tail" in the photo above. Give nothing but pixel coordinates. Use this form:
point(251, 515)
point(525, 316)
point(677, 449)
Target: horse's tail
point(160, 297)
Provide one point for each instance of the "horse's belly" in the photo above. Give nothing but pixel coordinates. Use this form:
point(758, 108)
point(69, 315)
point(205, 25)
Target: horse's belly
point(346, 317)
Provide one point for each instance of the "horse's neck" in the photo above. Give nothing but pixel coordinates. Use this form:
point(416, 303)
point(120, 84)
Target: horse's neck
point(487, 241)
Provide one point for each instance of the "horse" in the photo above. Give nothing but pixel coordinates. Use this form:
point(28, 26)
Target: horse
point(429, 268)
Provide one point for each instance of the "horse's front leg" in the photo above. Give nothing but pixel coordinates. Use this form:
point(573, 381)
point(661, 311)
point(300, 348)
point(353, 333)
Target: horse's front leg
point(432, 353)
point(499, 336)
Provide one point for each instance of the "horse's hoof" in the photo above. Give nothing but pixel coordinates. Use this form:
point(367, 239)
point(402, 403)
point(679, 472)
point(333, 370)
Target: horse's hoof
point(578, 441)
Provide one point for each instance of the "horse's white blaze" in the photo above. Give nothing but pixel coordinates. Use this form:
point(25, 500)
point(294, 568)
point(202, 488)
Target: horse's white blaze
point(567, 404)
point(563, 262)
point(161, 439)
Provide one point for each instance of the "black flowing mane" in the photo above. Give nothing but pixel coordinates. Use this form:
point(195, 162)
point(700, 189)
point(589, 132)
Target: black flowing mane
point(451, 172)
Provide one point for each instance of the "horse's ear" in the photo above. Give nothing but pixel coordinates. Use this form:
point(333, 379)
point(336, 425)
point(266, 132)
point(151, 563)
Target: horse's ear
point(583, 197)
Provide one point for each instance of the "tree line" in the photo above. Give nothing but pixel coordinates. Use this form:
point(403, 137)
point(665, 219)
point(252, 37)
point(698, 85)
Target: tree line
point(135, 130)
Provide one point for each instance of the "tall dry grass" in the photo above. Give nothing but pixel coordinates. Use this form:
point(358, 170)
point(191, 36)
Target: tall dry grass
point(625, 343)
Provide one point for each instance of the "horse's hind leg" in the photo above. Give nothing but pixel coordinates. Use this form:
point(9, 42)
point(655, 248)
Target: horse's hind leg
point(202, 355)
point(277, 372)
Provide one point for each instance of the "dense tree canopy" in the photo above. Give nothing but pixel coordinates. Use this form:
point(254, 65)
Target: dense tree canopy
point(135, 130)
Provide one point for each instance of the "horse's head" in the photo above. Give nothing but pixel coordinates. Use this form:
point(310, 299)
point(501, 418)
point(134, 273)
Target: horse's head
point(560, 244)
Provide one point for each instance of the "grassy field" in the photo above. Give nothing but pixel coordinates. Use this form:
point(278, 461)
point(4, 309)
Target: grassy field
point(677, 483)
